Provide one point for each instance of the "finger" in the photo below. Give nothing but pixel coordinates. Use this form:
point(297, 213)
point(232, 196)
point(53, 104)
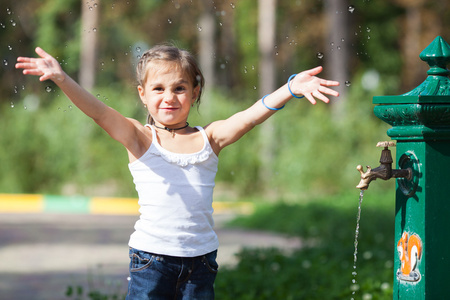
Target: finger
point(45, 77)
point(25, 66)
point(329, 82)
point(310, 99)
point(42, 53)
point(34, 72)
point(321, 96)
point(328, 91)
point(23, 59)
point(314, 71)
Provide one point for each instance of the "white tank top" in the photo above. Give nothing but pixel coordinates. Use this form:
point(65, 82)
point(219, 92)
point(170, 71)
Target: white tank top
point(175, 197)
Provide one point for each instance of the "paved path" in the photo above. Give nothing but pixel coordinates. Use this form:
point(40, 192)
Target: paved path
point(42, 254)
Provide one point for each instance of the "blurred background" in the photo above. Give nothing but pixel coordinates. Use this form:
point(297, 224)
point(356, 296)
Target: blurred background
point(246, 49)
point(304, 154)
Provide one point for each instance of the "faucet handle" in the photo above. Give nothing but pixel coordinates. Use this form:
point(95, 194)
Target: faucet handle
point(386, 144)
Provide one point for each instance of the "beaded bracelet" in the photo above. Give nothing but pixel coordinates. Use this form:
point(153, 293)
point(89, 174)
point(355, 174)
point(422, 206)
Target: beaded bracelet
point(289, 87)
point(268, 107)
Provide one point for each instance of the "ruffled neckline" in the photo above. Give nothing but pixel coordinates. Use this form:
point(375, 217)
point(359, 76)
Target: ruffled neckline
point(182, 159)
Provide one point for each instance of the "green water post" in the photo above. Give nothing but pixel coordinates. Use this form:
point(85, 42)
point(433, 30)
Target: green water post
point(420, 123)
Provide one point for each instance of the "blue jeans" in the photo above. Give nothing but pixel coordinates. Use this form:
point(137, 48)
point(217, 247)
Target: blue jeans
point(161, 277)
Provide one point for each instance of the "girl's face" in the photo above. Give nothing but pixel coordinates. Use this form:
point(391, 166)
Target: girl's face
point(168, 94)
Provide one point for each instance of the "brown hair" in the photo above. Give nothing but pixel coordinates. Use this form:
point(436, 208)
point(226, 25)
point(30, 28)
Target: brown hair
point(168, 53)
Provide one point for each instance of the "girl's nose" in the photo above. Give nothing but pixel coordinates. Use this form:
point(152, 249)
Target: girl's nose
point(169, 96)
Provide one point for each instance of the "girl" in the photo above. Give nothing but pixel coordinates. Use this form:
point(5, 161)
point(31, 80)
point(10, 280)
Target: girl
point(173, 249)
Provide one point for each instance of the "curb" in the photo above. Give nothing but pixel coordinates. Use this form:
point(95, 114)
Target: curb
point(35, 203)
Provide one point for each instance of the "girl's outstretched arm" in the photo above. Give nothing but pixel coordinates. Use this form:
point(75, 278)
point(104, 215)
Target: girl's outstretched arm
point(226, 132)
point(48, 68)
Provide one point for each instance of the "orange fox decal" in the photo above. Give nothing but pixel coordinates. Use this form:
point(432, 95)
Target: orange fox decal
point(410, 252)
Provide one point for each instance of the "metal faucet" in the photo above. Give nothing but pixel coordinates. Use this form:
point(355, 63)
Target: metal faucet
point(384, 171)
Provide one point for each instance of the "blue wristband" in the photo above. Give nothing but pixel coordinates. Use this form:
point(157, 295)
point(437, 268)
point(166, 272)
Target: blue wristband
point(268, 107)
point(289, 87)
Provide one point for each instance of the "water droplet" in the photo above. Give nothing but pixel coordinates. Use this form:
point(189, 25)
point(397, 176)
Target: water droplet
point(348, 83)
point(70, 107)
point(138, 49)
point(48, 89)
point(169, 20)
point(8, 11)
point(233, 6)
point(9, 47)
point(368, 29)
point(12, 104)
point(319, 55)
point(199, 28)
point(128, 278)
point(5, 62)
point(94, 29)
point(351, 9)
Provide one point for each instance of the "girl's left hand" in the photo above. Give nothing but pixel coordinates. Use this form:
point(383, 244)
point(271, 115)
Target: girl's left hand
point(307, 84)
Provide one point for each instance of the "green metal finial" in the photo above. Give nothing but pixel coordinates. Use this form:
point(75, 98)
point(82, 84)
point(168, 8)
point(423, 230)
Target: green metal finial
point(437, 56)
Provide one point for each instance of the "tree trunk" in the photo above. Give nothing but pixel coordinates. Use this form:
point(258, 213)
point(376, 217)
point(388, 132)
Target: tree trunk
point(88, 56)
point(337, 56)
point(207, 52)
point(266, 43)
point(411, 47)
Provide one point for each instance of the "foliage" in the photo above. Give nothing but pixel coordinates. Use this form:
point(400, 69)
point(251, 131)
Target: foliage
point(56, 145)
point(99, 287)
point(50, 145)
point(314, 153)
point(322, 268)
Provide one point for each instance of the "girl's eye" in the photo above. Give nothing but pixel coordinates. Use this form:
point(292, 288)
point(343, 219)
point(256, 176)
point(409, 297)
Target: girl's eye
point(158, 89)
point(180, 89)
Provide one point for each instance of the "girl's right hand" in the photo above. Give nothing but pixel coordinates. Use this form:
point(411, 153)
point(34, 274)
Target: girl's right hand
point(47, 67)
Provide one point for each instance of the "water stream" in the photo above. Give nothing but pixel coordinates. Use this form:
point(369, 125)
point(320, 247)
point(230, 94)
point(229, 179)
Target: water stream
point(354, 286)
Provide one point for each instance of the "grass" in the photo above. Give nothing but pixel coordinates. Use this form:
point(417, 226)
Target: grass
point(324, 270)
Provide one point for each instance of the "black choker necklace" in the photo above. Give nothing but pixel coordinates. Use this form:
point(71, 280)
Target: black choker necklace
point(172, 129)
